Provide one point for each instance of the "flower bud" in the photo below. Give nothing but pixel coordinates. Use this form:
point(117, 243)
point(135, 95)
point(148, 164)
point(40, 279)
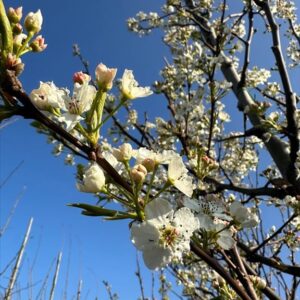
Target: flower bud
point(258, 282)
point(105, 77)
point(15, 14)
point(15, 64)
point(38, 45)
point(138, 173)
point(124, 152)
point(149, 164)
point(93, 180)
point(17, 29)
point(19, 40)
point(33, 22)
point(81, 77)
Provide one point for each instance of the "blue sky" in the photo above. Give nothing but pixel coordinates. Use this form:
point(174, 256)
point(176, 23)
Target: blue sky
point(96, 250)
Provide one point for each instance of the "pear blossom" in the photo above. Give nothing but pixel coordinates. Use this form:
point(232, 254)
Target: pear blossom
point(208, 210)
point(129, 87)
point(93, 180)
point(165, 234)
point(177, 176)
point(80, 102)
point(243, 215)
point(105, 76)
point(47, 96)
point(33, 22)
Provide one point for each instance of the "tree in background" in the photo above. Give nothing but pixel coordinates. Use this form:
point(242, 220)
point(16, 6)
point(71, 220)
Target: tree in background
point(195, 192)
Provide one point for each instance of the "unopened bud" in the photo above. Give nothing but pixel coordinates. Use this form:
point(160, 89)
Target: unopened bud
point(149, 164)
point(124, 152)
point(17, 29)
point(33, 22)
point(258, 282)
point(15, 14)
point(81, 77)
point(15, 64)
point(19, 40)
point(138, 173)
point(38, 45)
point(105, 76)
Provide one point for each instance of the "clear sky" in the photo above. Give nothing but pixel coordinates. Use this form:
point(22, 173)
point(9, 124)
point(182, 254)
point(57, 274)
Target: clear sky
point(93, 250)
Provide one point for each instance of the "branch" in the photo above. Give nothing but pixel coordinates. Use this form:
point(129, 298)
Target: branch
point(291, 101)
point(220, 270)
point(274, 234)
point(253, 257)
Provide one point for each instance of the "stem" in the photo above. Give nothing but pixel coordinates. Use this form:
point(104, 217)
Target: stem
point(122, 101)
point(6, 31)
point(21, 50)
point(150, 184)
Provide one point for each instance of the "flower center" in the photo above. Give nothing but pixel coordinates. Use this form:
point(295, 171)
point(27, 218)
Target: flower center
point(74, 107)
point(169, 236)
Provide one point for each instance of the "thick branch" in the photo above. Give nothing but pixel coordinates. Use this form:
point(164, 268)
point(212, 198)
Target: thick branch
point(291, 101)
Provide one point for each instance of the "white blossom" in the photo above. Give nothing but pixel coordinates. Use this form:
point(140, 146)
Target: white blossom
point(77, 104)
point(47, 96)
point(164, 234)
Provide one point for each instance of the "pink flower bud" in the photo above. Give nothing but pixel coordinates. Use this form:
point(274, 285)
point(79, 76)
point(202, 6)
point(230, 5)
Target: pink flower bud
point(15, 14)
point(15, 64)
point(105, 76)
point(38, 45)
point(33, 22)
point(81, 77)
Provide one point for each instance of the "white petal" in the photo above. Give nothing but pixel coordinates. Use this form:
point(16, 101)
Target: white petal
point(176, 169)
point(225, 241)
point(138, 92)
point(70, 119)
point(185, 185)
point(192, 204)
point(185, 221)
point(157, 258)
point(206, 222)
point(144, 235)
point(157, 208)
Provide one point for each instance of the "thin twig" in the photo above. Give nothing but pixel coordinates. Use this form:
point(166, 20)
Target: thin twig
point(15, 272)
point(55, 277)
